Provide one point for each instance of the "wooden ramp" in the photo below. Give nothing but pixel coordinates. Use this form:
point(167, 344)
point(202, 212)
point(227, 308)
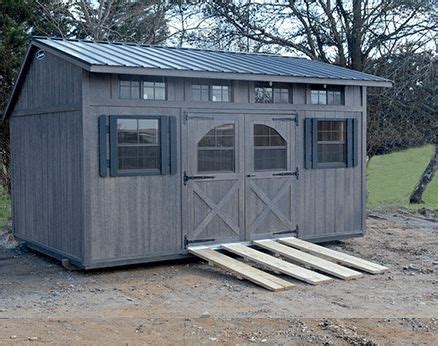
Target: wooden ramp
point(333, 255)
point(301, 252)
point(240, 269)
point(308, 260)
point(277, 264)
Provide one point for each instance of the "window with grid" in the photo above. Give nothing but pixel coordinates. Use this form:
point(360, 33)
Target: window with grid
point(220, 93)
point(270, 149)
point(216, 150)
point(154, 90)
point(200, 92)
point(331, 141)
point(276, 93)
point(129, 89)
point(138, 144)
point(331, 95)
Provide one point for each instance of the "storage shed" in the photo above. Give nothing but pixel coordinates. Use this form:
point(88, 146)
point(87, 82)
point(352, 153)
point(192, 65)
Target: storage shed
point(126, 153)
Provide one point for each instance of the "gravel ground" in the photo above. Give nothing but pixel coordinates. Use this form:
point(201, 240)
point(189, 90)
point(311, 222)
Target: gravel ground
point(191, 302)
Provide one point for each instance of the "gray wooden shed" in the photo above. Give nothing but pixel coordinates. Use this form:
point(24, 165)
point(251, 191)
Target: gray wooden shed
point(126, 153)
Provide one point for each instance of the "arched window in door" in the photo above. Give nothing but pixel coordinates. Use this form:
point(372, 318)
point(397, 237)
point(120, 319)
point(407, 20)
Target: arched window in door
point(216, 150)
point(270, 149)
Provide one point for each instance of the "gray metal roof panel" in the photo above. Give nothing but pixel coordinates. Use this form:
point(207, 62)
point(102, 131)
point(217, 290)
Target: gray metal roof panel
point(189, 59)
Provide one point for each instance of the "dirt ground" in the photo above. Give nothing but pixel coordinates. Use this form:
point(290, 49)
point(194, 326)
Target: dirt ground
point(189, 302)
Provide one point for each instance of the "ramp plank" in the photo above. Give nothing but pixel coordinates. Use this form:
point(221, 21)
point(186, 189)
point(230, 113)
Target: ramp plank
point(244, 270)
point(276, 264)
point(333, 255)
point(307, 259)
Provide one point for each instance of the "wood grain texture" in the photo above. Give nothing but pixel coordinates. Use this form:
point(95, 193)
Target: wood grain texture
point(313, 262)
point(244, 270)
point(333, 255)
point(276, 264)
point(47, 180)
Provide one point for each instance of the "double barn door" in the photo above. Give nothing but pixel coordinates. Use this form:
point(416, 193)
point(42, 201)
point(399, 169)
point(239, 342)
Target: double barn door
point(239, 176)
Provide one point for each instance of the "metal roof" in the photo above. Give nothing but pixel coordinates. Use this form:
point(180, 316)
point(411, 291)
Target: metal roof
point(160, 58)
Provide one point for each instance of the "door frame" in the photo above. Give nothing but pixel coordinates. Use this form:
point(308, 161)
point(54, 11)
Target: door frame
point(207, 114)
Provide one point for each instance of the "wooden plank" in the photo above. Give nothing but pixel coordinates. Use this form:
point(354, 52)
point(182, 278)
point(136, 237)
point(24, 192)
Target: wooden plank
point(277, 264)
point(244, 270)
point(337, 256)
point(307, 259)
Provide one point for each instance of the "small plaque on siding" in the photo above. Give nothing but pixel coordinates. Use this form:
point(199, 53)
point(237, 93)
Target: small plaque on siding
point(40, 54)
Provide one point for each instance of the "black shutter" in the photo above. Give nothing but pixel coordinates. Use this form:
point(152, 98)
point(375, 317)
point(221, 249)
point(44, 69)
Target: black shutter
point(164, 144)
point(308, 143)
point(352, 142)
point(102, 146)
point(114, 157)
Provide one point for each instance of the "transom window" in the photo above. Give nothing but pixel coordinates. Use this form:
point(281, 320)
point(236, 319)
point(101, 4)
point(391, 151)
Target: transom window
point(331, 140)
point(326, 96)
point(266, 93)
point(129, 89)
point(216, 150)
point(138, 144)
point(270, 149)
point(216, 91)
point(200, 92)
point(220, 93)
point(154, 90)
point(148, 89)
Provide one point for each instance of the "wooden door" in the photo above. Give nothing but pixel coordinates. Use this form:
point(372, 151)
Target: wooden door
point(213, 196)
point(270, 176)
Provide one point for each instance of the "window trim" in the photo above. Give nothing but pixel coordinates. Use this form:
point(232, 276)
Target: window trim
point(163, 123)
point(141, 80)
point(311, 144)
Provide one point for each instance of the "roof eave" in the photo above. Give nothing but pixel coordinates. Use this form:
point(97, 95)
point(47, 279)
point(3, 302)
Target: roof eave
point(236, 76)
point(18, 83)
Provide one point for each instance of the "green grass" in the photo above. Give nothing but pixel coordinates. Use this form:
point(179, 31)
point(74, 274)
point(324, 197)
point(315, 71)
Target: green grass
point(5, 207)
point(392, 177)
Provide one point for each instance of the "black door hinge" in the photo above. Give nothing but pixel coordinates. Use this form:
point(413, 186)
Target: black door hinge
point(289, 231)
point(186, 177)
point(187, 241)
point(296, 173)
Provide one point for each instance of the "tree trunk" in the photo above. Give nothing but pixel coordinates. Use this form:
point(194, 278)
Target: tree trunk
point(356, 37)
point(426, 178)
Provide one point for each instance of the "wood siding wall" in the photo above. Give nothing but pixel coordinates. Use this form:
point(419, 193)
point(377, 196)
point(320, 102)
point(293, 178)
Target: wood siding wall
point(46, 149)
point(140, 217)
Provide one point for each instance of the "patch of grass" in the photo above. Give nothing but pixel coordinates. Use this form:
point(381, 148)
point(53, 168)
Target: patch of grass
point(5, 207)
point(392, 177)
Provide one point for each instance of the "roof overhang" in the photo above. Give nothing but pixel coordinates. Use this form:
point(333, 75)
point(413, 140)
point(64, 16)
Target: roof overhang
point(35, 45)
point(233, 76)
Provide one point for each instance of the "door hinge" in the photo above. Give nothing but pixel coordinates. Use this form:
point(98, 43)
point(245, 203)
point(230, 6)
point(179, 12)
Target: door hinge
point(289, 231)
point(187, 241)
point(296, 173)
point(186, 177)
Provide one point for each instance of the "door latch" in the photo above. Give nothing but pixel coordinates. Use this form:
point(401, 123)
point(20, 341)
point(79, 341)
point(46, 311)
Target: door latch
point(186, 177)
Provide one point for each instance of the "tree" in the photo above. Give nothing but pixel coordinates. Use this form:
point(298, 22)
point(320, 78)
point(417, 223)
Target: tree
point(347, 33)
point(143, 21)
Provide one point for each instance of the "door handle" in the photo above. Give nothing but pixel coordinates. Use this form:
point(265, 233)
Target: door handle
point(196, 177)
point(250, 175)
